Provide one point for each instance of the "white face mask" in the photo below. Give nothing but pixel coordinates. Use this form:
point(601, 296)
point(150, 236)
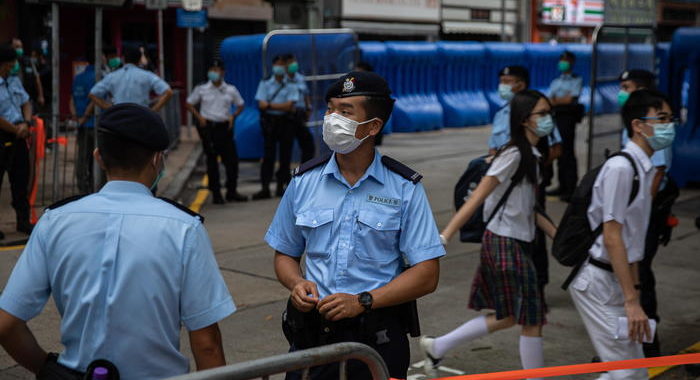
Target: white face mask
point(339, 133)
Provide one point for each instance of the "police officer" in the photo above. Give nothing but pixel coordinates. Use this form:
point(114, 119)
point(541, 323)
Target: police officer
point(215, 129)
point(15, 120)
point(31, 81)
point(302, 110)
point(81, 108)
point(664, 192)
point(357, 216)
point(126, 269)
point(277, 99)
point(564, 92)
point(131, 84)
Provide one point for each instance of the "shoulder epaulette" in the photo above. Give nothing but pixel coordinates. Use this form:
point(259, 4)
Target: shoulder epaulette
point(310, 164)
point(64, 202)
point(401, 169)
point(182, 208)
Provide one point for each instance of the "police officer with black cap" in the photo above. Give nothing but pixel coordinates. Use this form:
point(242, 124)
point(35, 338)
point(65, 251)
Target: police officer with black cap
point(358, 217)
point(114, 258)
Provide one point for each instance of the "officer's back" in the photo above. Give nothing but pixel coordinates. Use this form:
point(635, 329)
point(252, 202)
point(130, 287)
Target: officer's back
point(125, 268)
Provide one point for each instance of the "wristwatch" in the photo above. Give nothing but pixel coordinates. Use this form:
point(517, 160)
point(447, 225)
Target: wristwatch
point(365, 299)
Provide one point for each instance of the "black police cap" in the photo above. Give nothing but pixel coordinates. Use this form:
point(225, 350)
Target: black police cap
point(516, 71)
point(638, 75)
point(359, 83)
point(216, 62)
point(136, 123)
point(7, 53)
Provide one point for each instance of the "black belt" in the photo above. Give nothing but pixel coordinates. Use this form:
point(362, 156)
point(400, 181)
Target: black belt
point(600, 264)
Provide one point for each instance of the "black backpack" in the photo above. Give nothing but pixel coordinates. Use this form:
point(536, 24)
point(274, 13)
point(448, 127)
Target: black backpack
point(473, 230)
point(574, 236)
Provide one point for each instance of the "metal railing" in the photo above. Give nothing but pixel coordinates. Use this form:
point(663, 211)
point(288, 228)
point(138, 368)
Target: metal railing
point(299, 360)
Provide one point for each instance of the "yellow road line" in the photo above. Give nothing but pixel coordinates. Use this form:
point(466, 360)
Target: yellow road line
point(12, 248)
point(656, 371)
point(201, 197)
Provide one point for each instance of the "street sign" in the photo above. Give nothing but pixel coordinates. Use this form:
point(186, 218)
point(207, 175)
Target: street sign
point(156, 4)
point(192, 5)
point(197, 19)
point(639, 12)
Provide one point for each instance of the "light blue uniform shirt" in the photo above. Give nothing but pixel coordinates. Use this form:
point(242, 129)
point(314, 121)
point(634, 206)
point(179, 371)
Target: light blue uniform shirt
point(565, 85)
point(268, 87)
point(500, 132)
point(355, 237)
point(126, 270)
point(12, 97)
point(300, 81)
point(130, 84)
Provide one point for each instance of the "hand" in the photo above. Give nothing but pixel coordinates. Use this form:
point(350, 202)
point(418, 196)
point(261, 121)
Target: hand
point(82, 120)
point(443, 240)
point(22, 131)
point(202, 121)
point(300, 296)
point(264, 105)
point(637, 321)
point(340, 306)
point(41, 100)
point(554, 153)
point(231, 123)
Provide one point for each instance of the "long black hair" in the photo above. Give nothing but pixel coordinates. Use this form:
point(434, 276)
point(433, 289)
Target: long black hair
point(520, 110)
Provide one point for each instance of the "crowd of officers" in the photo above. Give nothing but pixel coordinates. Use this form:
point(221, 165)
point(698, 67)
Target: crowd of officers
point(127, 269)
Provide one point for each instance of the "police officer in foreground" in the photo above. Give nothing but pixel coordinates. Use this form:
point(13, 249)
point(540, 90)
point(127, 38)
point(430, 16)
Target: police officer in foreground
point(131, 84)
point(15, 120)
point(125, 269)
point(359, 217)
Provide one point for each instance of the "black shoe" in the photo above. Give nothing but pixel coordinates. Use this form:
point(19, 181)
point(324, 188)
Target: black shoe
point(2, 235)
point(234, 196)
point(262, 194)
point(554, 192)
point(25, 227)
point(217, 198)
point(565, 198)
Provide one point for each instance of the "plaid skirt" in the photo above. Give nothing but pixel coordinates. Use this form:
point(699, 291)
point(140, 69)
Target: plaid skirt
point(506, 281)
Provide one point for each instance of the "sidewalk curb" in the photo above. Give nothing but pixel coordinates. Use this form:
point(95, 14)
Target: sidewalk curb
point(178, 183)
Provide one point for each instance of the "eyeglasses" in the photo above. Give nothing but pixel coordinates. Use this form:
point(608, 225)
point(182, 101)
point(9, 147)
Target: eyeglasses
point(542, 113)
point(662, 119)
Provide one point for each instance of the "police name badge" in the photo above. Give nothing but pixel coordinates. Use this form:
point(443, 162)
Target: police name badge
point(384, 200)
point(349, 85)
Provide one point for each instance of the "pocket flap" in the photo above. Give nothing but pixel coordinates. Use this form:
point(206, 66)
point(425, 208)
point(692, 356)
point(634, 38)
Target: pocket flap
point(379, 221)
point(314, 218)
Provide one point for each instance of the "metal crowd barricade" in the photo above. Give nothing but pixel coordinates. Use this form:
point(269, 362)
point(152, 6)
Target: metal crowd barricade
point(300, 360)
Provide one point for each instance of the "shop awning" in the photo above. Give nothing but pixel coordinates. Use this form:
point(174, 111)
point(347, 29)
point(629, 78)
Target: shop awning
point(468, 27)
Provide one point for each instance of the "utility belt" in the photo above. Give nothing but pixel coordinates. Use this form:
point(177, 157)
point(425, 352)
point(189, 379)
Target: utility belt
point(53, 370)
point(311, 329)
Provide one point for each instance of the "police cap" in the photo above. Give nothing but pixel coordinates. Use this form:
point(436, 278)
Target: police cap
point(136, 123)
point(359, 83)
point(642, 77)
point(519, 72)
point(7, 53)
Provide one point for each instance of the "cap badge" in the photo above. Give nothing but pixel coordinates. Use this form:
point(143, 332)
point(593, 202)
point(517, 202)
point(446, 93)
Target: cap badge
point(506, 71)
point(625, 75)
point(349, 85)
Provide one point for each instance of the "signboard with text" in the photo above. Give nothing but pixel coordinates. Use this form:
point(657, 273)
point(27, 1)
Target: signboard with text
point(573, 12)
point(398, 10)
point(630, 12)
point(186, 19)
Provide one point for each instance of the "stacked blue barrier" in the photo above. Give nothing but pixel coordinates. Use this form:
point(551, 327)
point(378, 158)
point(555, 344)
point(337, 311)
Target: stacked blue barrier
point(611, 62)
point(663, 58)
point(498, 56)
point(375, 53)
point(542, 62)
point(460, 78)
point(414, 86)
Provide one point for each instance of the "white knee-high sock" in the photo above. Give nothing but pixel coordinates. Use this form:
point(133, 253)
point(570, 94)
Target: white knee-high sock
point(474, 329)
point(531, 355)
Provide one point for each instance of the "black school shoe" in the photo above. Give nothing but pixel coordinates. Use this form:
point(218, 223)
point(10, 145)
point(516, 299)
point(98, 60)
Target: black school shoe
point(234, 196)
point(217, 198)
point(262, 194)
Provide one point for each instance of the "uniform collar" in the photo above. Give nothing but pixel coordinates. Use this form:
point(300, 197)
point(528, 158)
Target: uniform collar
point(375, 170)
point(210, 84)
point(639, 155)
point(567, 76)
point(131, 187)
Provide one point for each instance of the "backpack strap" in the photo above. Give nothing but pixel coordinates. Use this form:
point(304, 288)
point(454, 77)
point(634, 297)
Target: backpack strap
point(182, 208)
point(311, 164)
point(64, 202)
point(401, 169)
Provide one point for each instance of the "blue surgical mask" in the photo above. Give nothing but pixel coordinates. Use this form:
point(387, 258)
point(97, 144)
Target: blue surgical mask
point(214, 76)
point(545, 125)
point(663, 136)
point(279, 70)
point(505, 91)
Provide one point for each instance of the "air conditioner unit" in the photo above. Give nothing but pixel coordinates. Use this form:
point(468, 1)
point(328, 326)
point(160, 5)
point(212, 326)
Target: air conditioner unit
point(294, 14)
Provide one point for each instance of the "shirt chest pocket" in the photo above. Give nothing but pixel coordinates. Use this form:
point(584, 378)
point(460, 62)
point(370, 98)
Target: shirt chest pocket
point(377, 236)
point(316, 226)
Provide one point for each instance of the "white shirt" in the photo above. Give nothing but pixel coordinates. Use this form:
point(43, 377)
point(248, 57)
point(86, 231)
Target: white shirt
point(216, 101)
point(516, 218)
point(610, 199)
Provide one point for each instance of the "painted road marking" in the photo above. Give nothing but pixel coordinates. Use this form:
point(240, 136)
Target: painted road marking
point(202, 195)
point(440, 368)
point(656, 371)
point(12, 248)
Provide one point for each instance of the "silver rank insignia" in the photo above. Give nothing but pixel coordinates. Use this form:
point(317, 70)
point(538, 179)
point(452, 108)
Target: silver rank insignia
point(349, 85)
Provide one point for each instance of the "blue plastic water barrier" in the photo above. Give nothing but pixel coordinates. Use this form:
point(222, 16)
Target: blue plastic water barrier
point(414, 84)
point(498, 56)
point(663, 58)
point(542, 62)
point(684, 85)
point(375, 53)
point(460, 77)
point(611, 62)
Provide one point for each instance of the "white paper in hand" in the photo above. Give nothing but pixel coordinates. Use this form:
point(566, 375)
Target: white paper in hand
point(623, 330)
